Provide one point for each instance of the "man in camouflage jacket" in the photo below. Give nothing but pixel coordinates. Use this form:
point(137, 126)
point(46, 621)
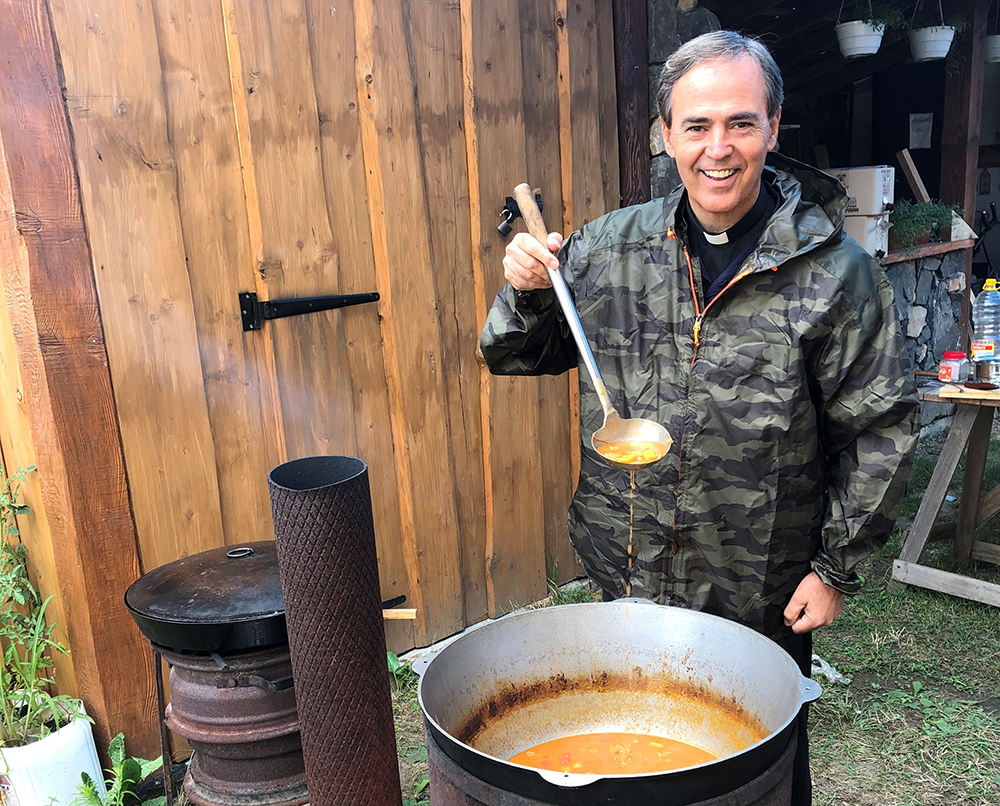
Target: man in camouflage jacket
point(788, 394)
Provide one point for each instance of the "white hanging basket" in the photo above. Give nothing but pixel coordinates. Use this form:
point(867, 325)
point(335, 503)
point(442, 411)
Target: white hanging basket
point(49, 770)
point(993, 49)
point(857, 38)
point(928, 44)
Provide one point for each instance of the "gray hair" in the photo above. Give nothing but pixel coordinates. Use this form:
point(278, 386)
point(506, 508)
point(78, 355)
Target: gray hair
point(714, 45)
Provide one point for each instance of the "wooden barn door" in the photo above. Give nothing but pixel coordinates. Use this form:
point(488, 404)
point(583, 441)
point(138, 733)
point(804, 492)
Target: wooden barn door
point(299, 148)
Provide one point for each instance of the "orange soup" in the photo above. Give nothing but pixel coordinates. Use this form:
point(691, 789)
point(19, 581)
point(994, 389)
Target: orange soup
point(612, 754)
point(633, 452)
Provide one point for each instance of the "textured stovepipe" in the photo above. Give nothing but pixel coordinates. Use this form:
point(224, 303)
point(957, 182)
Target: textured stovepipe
point(325, 536)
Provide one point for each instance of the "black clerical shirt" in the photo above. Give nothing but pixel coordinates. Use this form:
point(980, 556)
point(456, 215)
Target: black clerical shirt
point(720, 262)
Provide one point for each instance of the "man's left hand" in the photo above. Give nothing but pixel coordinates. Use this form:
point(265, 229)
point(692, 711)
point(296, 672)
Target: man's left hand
point(814, 604)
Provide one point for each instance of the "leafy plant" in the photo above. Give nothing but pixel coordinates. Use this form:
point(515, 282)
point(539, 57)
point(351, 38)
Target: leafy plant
point(28, 711)
point(420, 789)
point(928, 15)
point(124, 774)
point(400, 671)
point(886, 15)
point(916, 222)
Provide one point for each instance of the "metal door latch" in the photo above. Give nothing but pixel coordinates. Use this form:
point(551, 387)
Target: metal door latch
point(254, 312)
point(511, 212)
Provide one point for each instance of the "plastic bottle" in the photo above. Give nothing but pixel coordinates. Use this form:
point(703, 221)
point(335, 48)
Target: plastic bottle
point(986, 332)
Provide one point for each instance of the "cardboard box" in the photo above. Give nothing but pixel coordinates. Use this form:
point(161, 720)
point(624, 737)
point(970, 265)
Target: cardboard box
point(871, 231)
point(871, 189)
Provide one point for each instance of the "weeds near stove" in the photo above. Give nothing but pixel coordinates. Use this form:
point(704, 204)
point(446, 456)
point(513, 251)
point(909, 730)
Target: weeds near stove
point(28, 711)
point(400, 673)
point(124, 774)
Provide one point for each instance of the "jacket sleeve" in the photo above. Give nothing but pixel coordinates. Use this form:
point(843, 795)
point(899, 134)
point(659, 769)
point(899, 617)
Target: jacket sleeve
point(869, 424)
point(525, 331)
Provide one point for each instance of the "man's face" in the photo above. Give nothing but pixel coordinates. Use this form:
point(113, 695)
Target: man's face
point(719, 136)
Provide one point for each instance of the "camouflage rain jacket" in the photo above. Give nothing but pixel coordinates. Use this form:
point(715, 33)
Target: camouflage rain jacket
point(789, 397)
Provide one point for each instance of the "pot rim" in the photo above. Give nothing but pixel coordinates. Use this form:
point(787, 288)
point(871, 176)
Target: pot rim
point(810, 691)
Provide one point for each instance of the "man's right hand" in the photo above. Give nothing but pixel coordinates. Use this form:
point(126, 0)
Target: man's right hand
point(525, 260)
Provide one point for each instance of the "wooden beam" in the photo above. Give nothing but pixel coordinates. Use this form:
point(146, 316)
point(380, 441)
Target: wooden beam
point(962, 118)
point(972, 485)
point(924, 250)
point(946, 582)
point(912, 175)
point(632, 66)
point(51, 298)
point(954, 446)
point(986, 552)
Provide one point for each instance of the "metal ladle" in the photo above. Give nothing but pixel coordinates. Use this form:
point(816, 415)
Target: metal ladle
point(615, 429)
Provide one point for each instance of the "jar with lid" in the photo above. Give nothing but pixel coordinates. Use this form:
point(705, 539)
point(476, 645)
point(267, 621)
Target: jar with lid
point(954, 368)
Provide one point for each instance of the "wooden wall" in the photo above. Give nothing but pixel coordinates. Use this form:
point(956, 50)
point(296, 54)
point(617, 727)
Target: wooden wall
point(195, 149)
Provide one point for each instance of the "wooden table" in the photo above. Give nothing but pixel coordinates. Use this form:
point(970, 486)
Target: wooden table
point(971, 427)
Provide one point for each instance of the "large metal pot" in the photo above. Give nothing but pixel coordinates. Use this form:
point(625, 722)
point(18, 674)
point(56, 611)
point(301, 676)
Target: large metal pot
point(625, 666)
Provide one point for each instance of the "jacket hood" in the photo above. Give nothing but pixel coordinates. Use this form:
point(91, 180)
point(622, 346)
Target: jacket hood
point(811, 212)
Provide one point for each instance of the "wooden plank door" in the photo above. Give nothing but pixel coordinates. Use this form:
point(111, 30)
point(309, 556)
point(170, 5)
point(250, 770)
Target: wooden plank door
point(301, 148)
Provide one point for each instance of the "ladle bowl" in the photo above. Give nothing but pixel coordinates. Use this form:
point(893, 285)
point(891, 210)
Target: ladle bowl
point(615, 430)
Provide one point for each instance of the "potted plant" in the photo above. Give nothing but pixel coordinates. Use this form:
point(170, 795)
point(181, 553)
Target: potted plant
point(915, 223)
point(931, 34)
point(861, 35)
point(45, 739)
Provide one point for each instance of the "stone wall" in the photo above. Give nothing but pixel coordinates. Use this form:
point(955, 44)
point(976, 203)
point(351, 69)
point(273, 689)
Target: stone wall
point(928, 292)
point(671, 24)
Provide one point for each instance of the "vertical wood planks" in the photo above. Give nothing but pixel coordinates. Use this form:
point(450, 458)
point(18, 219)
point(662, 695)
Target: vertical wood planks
point(582, 79)
point(213, 213)
point(82, 539)
point(332, 50)
point(410, 328)
point(436, 61)
point(114, 91)
point(495, 130)
point(608, 106)
point(298, 254)
point(556, 435)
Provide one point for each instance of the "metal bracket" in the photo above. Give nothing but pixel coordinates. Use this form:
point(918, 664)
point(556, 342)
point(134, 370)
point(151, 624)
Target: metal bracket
point(511, 212)
point(254, 312)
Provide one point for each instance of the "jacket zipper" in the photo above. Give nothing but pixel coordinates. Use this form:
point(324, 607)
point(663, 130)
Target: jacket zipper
point(699, 318)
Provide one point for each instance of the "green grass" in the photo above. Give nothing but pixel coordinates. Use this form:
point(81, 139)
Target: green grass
point(919, 724)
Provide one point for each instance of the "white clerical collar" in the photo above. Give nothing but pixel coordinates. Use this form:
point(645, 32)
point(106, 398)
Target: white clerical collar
point(717, 240)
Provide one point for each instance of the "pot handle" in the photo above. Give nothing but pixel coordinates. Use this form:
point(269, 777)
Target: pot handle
point(419, 666)
point(568, 780)
point(810, 691)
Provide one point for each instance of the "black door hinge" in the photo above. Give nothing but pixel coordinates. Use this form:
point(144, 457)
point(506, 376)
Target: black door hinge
point(254, 312)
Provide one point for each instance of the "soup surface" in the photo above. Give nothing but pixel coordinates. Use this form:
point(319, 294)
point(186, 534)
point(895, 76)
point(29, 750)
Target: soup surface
point(612, 754)
point(633, 452)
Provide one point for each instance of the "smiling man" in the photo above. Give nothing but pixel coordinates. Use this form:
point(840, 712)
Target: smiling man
point(737, 314)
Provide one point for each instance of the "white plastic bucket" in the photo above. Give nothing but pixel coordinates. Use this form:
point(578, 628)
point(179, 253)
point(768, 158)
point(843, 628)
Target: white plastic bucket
point(857, 38)
point(927, 44)
point(993, 49)
point(47, 770)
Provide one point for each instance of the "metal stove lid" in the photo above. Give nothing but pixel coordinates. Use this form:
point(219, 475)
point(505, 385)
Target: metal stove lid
point(226, 585)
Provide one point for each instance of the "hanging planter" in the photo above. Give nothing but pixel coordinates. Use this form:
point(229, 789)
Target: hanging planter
point(862, 34)
point(930, 42)
point(993, 49)
point(857, 38)
point(993, 40)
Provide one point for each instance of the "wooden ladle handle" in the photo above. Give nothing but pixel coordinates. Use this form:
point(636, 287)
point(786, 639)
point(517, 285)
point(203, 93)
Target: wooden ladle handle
point(525, 198)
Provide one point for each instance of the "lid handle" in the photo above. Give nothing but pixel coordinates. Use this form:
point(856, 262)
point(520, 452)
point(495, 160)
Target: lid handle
point(239, 553)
